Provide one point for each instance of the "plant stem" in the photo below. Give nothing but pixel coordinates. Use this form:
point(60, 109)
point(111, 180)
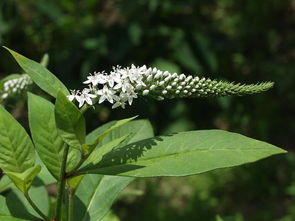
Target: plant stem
point(35, 207)
point(71, 194)
point(84, 109)
point(61, 185)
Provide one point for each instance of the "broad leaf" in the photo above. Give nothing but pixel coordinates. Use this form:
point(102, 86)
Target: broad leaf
point(48, 143)
point(96, 193)
point(16, 148)
point(39, 74)
point(24, 180)
point(5, 213)
point(19, 206)
point(70, 121)
point(3, 207)
point(184, 154)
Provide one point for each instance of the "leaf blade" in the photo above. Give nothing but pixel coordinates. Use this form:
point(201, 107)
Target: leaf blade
point(139, 129)
point(39, 74)
point(181, 155)
point(16, 148)
point(69, 121)
point(48, 143)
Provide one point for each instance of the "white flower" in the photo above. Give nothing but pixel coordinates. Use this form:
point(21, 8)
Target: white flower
point(106, 94)
point(85, 96)
point(119, 103)
point(74, 95)
point(114, 78)
point(128, 96)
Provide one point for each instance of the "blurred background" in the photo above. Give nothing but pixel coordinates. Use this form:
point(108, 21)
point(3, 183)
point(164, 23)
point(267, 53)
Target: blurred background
point(245, 41)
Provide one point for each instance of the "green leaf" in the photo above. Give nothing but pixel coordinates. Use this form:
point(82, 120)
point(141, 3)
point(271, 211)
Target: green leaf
point(138, 129)
point(101, 136)
point(16, 148)
point(96, 193)
point(3, 207)
point(184, 154)
point(5, 213)
point(40, 75)
point(24, 180)
point(45, 176)
point(74, 182)
point(10, 218)
point(98, 153)
point(5, 183)
point(19, 206)
point(70, 121)
point(48, 143)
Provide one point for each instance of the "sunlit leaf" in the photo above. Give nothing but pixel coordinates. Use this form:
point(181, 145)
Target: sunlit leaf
point(184, 154)
point(40, 75)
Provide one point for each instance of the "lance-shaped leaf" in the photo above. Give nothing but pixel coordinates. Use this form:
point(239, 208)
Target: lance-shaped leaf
point(184, 154)
point(48, 143)
point(16, 148)
point(70, 121)
point(39, 74)
point(96, 193)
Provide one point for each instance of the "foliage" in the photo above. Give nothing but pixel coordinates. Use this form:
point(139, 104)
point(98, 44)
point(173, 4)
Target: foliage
point(246, 40)
point(179, 154)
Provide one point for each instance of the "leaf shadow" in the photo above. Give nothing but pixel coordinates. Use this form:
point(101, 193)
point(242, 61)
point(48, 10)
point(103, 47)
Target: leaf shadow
point(120, 159)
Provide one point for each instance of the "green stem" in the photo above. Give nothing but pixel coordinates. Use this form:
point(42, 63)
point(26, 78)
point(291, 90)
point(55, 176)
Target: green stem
point(61, 185)
point(84, 109)
point(71, 204)
point(35, 207)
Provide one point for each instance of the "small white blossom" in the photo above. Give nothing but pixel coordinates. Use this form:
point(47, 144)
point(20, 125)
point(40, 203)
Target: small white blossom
point(85, 96)
point(74, 95)
point(105, 94)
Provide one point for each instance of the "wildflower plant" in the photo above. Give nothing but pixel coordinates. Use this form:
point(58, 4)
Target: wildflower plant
point(92, 169)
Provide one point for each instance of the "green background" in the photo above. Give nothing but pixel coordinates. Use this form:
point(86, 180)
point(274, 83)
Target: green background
point(245, 41)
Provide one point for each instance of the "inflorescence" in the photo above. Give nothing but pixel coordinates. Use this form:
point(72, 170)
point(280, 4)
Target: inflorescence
point(122, 85)
point(15, 86)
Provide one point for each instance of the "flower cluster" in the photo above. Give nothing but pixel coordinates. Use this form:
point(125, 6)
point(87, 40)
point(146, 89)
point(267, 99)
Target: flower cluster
point(15, 86)
point(122, 85)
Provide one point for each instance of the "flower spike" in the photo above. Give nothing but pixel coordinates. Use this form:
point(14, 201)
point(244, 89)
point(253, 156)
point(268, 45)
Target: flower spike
point(122, 85)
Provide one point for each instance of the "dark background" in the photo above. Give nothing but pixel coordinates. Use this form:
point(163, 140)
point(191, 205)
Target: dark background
point(245, 41)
